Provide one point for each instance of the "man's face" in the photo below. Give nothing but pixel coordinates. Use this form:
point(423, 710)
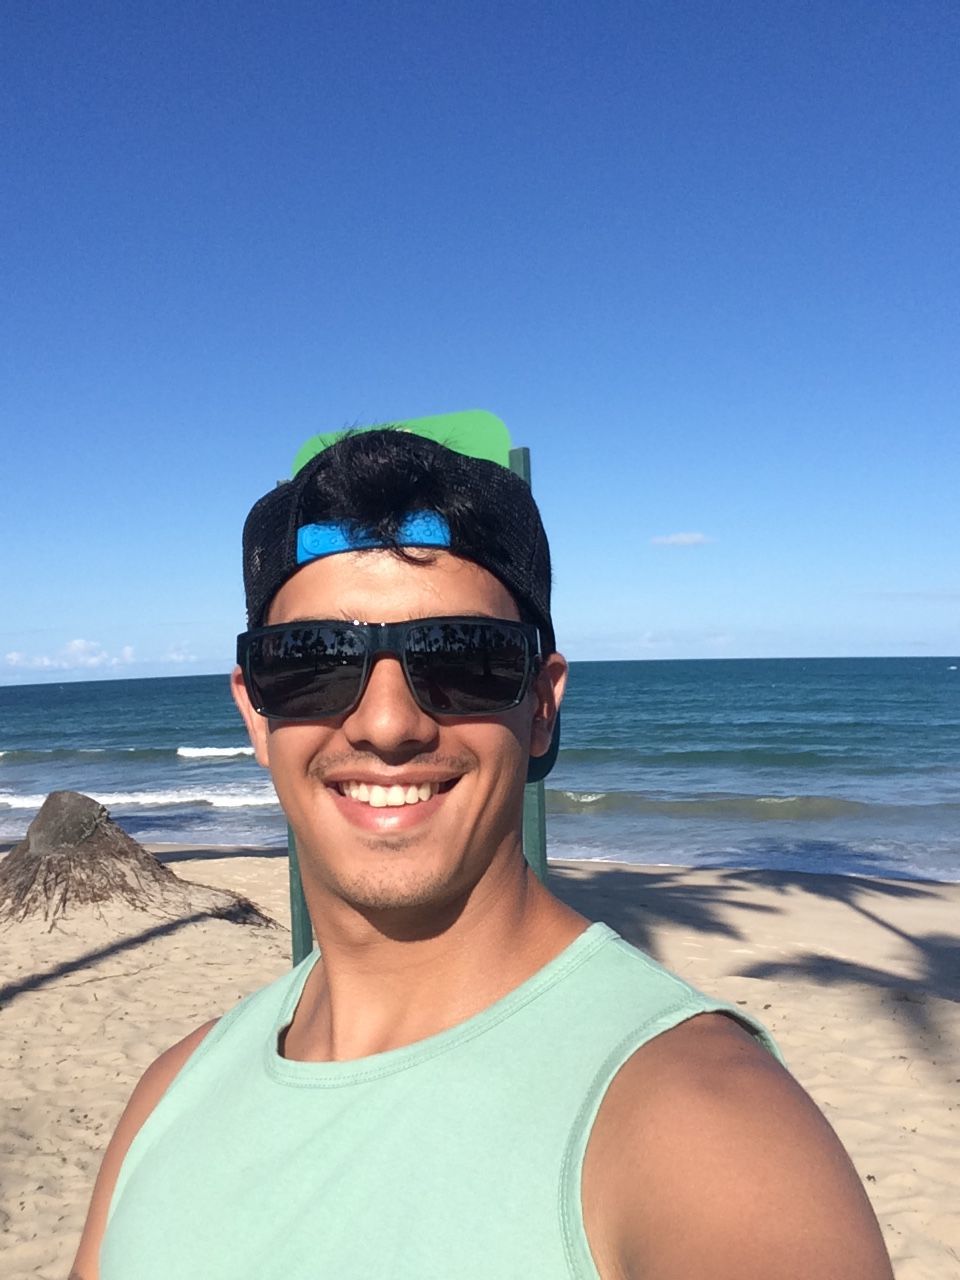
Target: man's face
point(431, 851)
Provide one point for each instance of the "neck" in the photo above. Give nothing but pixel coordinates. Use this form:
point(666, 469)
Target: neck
point(383, 983)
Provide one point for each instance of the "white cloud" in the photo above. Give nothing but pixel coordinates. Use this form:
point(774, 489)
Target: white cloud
point(75, 655)
point(179, 654)
point(680, 540)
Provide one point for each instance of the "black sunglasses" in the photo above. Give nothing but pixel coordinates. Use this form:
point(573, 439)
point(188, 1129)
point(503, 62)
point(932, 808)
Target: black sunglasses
point(453, 666)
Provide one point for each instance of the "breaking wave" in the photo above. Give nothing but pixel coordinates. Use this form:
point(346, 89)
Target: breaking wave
point(181, 796)
point(728, 807)
point(129, 755)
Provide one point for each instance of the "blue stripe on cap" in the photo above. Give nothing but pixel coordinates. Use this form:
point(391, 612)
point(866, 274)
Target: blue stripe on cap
point(422, 529)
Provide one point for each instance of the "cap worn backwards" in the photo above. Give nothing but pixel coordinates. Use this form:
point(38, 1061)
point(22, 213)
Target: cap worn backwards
point(488, 516)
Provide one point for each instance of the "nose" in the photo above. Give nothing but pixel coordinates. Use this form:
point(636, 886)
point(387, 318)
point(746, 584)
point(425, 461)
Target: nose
point(387, 720)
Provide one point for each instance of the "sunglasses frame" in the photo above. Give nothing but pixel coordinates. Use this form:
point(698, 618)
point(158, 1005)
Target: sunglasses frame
point(388, 639)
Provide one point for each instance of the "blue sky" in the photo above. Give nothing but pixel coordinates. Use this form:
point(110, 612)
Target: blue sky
point(702, 258)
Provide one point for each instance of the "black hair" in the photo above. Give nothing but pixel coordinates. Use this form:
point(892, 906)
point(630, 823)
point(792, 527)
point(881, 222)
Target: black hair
point(376, 478)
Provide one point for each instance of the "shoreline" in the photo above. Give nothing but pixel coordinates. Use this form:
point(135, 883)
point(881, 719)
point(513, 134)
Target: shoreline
point(180, 851)
point(857, 978)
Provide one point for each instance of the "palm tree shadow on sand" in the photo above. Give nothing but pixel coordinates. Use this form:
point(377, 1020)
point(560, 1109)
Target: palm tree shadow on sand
point(639, 906)
point(935, 956)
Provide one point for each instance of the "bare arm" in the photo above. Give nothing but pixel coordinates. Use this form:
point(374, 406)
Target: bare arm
point(148, 1092)
point(721, 1167)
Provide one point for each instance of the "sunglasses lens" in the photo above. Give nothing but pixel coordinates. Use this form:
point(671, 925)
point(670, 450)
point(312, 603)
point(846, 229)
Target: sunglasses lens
point(466, 668)
point(305, 672)
point(454, 666)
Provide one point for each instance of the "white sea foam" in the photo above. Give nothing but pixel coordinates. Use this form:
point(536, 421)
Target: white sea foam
point(219, 799)
point(203, 753)
point(8, 801)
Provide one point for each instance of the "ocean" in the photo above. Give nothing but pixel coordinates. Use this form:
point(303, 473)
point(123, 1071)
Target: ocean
point(840, 765)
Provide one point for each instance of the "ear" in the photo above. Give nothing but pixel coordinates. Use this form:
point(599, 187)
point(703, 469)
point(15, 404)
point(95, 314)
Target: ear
point(548, 688)
point(257, 725)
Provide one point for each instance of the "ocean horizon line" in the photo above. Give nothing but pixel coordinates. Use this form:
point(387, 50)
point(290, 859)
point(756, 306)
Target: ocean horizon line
point(70, 677)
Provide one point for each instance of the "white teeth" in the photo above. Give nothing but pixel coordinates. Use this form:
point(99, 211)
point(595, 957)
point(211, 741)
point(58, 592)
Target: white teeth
point(391, 797)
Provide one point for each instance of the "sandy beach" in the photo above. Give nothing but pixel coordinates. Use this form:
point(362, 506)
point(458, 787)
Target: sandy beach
point(858, 979)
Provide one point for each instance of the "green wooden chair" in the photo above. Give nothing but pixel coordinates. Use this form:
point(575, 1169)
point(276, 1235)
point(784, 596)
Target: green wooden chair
point(481, 435)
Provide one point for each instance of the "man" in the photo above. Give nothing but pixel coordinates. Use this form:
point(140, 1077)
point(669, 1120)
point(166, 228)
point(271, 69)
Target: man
point(467, 1080)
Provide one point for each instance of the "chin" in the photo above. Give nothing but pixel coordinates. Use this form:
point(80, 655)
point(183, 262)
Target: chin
point(390, 886)
point(418, 908)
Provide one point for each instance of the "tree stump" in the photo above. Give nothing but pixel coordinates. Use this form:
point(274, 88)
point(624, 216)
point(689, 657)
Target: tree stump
point(74, 856)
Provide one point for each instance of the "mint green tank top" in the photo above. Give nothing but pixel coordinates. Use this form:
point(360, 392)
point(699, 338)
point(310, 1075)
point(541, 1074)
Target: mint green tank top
point(454, 1158)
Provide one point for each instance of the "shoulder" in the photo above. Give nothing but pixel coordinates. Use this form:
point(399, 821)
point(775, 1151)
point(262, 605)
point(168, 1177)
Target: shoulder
point(149, 1090)
point(708, 1159)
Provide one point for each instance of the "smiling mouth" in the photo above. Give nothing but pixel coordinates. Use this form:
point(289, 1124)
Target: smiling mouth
point(394, 796)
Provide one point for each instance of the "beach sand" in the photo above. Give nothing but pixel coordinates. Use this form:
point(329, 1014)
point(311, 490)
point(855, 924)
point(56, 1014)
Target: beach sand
point(858, 979)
